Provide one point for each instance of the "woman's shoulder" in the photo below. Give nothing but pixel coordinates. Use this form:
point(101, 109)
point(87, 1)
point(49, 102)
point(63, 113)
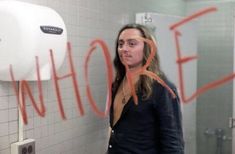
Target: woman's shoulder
point(162, 92)
point(163, 96)
point(158, 87)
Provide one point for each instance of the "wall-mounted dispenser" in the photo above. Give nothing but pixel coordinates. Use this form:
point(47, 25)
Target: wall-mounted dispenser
point(26, 31)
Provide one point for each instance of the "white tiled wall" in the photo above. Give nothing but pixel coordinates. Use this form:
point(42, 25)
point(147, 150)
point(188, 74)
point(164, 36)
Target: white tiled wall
point(85, 20)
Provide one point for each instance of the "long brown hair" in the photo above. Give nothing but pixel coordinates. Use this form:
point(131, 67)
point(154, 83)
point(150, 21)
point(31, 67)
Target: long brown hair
point(145, 82)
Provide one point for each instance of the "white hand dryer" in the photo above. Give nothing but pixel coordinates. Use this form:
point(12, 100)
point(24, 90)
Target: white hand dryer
point(26, 31)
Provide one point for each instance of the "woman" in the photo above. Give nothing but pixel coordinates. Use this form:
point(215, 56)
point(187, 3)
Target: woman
point(154, 125)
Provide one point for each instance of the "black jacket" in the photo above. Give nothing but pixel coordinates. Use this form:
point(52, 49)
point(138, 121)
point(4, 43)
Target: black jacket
point(154, 126)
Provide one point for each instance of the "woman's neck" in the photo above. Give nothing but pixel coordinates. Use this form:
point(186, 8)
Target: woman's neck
point(134, 79)
point(134, 73)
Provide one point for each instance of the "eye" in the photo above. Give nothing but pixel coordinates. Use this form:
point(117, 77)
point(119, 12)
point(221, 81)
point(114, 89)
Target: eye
point(120, 44)
point(132, 43)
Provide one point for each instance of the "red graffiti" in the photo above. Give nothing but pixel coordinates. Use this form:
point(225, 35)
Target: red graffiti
point(25, 89)
point(109, 77)
point(181, 60)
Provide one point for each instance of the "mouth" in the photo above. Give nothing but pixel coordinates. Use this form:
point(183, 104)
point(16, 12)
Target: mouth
point(126, 56)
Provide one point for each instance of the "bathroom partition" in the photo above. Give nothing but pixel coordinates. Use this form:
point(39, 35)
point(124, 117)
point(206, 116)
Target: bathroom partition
point(215, 107)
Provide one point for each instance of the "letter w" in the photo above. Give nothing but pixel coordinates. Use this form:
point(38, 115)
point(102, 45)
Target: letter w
point(23, 89)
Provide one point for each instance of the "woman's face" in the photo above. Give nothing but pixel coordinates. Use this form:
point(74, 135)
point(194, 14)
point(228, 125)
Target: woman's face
point(131, 50)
